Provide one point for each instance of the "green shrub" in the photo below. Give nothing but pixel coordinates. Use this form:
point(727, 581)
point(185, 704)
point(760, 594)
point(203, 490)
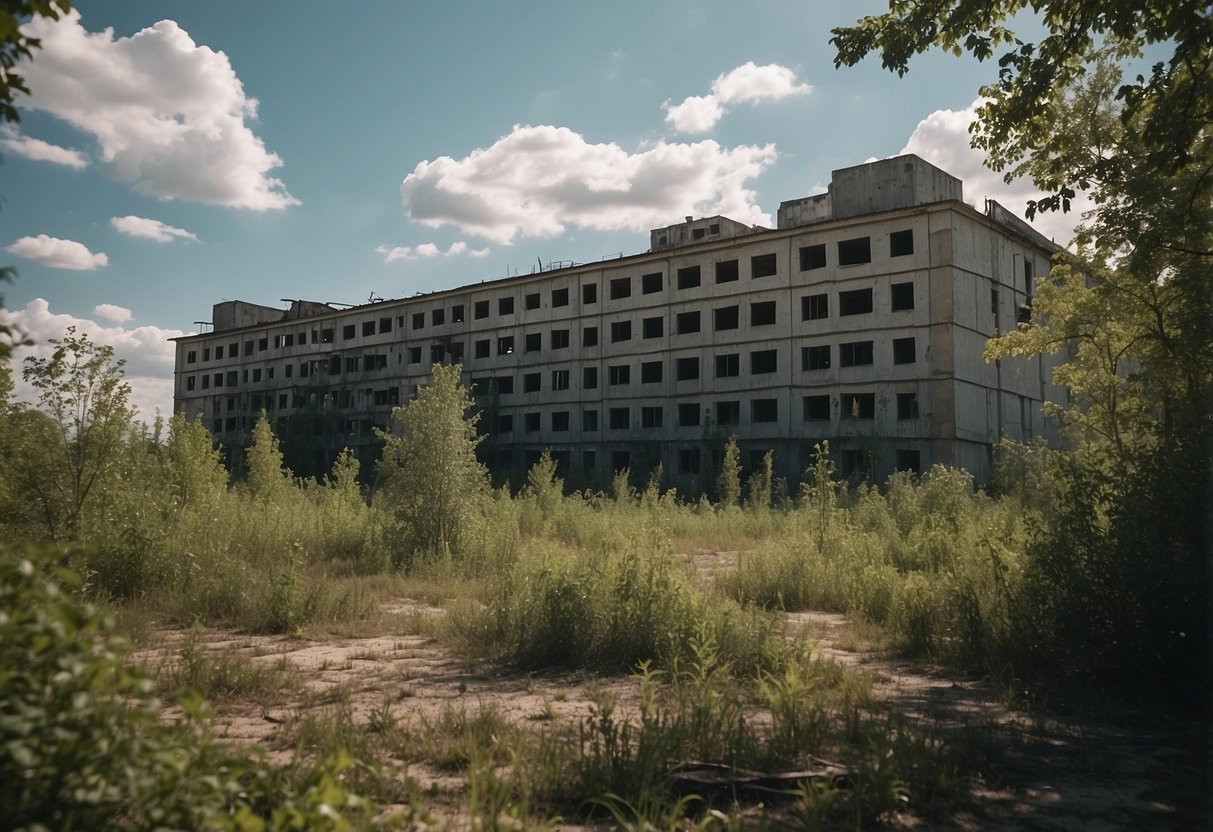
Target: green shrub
point(82, 745)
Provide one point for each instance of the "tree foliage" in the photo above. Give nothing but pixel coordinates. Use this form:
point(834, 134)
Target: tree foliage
point(429, 473)
point(1171, 106)
point(728, 481)
point(82, 393)
point(1126, 531)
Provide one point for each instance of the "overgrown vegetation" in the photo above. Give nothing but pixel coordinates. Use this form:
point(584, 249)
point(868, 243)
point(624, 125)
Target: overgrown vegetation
point(1081, 579)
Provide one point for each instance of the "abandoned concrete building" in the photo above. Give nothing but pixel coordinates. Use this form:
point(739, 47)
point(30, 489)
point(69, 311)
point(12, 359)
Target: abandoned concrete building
point(860, 319)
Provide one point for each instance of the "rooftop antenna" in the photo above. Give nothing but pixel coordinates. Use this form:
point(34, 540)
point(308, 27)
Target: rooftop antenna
point(373, 298)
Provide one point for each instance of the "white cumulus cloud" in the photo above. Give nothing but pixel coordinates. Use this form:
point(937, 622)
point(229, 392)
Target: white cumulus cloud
point(535, 181)
point(57, 253)
point(117, 314)
point(41, 151)
point(393, 253)
point(942, 138)
point(150, 229)
point(147, 350)
point(748, 83)
point(170, 115)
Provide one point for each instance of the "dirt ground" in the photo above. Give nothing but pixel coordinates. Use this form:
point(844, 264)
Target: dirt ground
point(1059, 772)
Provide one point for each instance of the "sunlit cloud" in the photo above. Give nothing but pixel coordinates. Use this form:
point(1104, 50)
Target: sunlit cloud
point(57, 253)
point(148, 352)
point(747, 84)
point(151, 229)
point(170, 116)
point(538, 181)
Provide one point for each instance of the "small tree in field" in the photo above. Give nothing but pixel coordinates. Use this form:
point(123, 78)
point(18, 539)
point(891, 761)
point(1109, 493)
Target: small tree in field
point(81, 388)
point(728, 482)
point(429, 473)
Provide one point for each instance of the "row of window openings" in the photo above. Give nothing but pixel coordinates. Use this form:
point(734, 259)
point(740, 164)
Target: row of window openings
point(383, 397)
point(855, 251)
point(761, 313)
point(851, 354)
point(727, 413)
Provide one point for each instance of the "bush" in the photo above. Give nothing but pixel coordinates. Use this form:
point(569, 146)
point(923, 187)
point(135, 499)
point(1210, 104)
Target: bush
point(82, 745)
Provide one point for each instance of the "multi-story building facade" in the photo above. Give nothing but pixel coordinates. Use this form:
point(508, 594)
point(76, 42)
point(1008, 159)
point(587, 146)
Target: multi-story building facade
point(860, 319)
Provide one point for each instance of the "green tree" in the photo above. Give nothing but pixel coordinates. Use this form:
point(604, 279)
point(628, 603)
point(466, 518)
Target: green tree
point(82, 391)
point(728, 481)
point(268, 478)
point(197, 474)
point(1124, 546)
point(429, 474)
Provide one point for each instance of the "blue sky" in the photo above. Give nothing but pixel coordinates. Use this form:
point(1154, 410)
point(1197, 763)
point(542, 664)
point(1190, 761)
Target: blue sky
point(175, 154)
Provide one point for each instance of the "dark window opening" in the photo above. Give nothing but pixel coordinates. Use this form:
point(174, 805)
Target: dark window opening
point(589, 336)
point(480, 309)
point(530, 300)
point(762, 313)
point(688, 414)
point(505, 345)
point(653, 327)
point(589, 378)
point(532, 342)
point(728, 365)
point(651, 372)
point(589, 420)
point(437, 317)
point(560, 297)
point(764, 361)
point(904, 351)
point(650, 283)
point(482, 348)
point(530, 383)
point(815, 358)
point(457, 314)
point(854, 252)
point(909, 461)
point(688, 461)
point(728, 413)
point(726, 317)
point(651, 417)
point(686, 369)
point(855, 302)
point(901, 296)
point(907, 406)
point(901, 243)
point(621, 331)
point(727, 271)
point(763, 265)
point(505, 306)
point(859, 406)
point(816, 408)
point(620, 288)
point(687, 322)
point(560, 421)
point(814, 307)
point(618, 374)
point(348, 331)
point(619, 418)
point(812, 257)
point(589, 293)
point(764, 410)
point(560, 339)
point(688, 277)
point(855, 353)
point(530, 422)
